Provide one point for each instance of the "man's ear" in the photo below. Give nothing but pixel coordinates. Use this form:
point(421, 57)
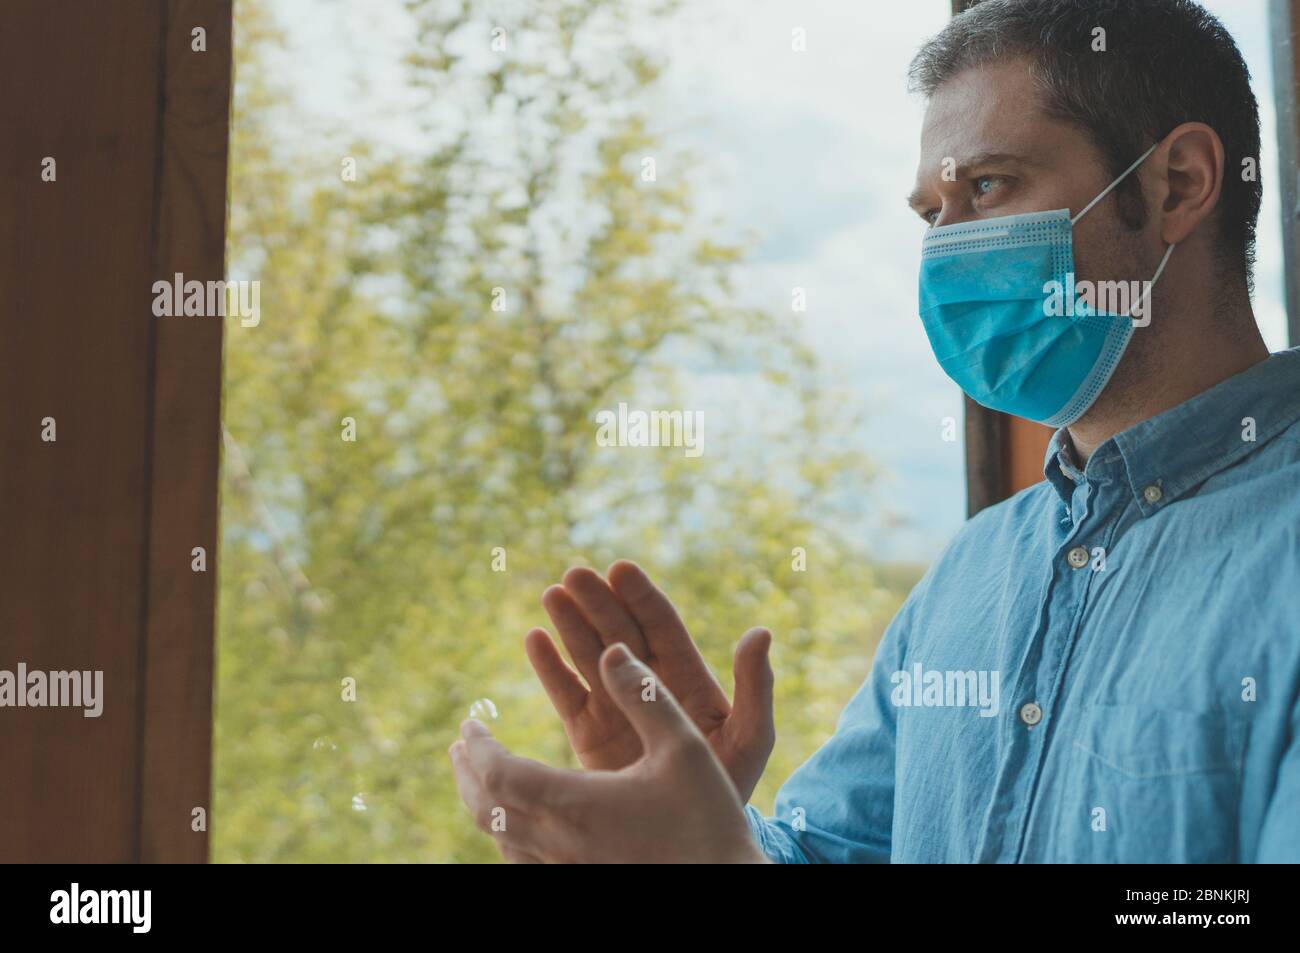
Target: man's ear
point(1193, 179)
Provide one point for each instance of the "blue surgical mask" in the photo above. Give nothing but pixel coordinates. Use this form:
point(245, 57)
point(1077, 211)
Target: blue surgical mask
point(998, 303)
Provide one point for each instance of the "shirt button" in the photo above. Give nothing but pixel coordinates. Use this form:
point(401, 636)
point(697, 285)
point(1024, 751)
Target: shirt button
point(1077, 557)
point(1152, 494)
point(1031, 714)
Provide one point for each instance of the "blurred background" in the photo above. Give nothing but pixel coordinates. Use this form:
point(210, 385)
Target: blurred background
point(399, 167)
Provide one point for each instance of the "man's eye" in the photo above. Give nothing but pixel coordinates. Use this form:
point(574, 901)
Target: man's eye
point(986, 184)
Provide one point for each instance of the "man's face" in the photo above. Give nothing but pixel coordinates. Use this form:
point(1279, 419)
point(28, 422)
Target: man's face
point(1005, 156)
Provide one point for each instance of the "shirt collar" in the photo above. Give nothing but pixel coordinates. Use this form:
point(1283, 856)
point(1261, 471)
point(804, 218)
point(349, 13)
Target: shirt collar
point(1163, 457)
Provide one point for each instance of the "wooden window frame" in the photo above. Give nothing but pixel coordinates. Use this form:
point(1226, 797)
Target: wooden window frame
point(1284, 29)
point(98, 525)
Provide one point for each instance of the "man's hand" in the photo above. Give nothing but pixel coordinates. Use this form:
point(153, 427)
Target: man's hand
point(674, 804)
point(590, 615)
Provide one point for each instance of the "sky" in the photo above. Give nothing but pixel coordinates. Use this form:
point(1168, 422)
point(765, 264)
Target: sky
point(808, 156)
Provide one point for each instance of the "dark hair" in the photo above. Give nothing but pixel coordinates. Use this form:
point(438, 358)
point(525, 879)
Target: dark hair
point(1167, 62)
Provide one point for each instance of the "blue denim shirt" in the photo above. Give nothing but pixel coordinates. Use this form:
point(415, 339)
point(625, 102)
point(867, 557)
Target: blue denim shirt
point(1103, 668)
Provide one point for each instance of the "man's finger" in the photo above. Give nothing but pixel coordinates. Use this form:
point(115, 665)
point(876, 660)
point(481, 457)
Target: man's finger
point(562, 684)
point(604, 610)
point(654, 713)
point(578, 635)
point(509, 827)
point(530, 785)
point(665, 633)
point(751, 709)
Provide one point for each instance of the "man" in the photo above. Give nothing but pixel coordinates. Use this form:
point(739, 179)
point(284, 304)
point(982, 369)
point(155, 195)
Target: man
point(1102, 668)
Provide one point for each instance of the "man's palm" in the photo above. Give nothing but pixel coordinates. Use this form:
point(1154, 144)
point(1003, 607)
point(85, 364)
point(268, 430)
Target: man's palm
point(590, 614)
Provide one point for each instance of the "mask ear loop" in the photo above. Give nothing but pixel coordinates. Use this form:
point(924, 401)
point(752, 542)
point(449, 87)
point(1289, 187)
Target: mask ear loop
point(1151, 286)
point(1105, 192)
point(1108, 189)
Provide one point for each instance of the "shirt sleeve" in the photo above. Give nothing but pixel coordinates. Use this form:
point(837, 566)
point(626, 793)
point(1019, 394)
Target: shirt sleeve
point(838, 807)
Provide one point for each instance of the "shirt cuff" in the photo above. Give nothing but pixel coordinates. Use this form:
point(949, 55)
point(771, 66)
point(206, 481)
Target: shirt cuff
point(772, 839)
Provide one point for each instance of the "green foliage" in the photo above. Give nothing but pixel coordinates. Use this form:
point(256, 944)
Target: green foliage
point(372, 559)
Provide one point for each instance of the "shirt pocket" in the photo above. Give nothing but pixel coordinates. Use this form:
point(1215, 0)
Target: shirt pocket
point(1152, 785)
